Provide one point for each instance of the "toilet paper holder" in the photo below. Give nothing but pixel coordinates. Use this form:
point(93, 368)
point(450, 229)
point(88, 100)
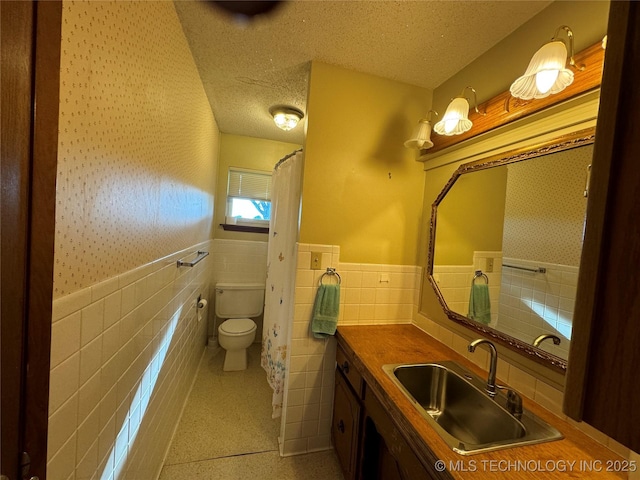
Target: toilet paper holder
point(201, 303)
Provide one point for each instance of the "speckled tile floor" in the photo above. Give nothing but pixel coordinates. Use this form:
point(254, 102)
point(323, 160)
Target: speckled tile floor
point(226, 431)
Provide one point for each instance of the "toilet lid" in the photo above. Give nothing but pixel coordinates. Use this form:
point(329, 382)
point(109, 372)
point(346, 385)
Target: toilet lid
point(238, 325)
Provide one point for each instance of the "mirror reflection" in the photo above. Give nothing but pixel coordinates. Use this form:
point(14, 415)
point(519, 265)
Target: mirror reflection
point(508, 241)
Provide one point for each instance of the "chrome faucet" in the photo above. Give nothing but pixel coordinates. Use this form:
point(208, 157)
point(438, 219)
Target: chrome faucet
point(542, 338)
point(493, 366)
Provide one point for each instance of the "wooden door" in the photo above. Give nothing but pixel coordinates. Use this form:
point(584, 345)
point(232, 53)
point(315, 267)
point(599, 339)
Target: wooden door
point(30, 58)
point(603, 386)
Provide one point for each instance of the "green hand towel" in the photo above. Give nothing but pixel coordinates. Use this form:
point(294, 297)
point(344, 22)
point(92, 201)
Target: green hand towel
point(324, 320)
point(479, 304)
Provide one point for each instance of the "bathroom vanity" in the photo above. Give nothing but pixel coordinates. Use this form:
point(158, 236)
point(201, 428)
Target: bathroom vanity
point(378, 432)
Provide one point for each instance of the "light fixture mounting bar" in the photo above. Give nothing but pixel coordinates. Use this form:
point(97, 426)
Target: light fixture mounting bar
point(503, 108)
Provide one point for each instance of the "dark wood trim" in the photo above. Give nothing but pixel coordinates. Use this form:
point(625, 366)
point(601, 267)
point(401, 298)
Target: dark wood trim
point(30, 77)
point(17, 71)
point(591, 261)
point(602, 376)
point(42, 231)
point(503, 109)
point(244, 228)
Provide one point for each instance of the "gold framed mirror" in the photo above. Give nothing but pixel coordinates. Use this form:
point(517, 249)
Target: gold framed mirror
point(505, 242)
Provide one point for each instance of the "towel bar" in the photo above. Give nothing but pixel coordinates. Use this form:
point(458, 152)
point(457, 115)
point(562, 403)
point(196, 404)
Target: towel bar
point(197, 260)
point(479, 274)
point(330, 271)
point(527, 269)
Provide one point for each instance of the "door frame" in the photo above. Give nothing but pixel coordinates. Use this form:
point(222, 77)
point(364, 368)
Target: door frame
point(31, 44)
point(604, 350)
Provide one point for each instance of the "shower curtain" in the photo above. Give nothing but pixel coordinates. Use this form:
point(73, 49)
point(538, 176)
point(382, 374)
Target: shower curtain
point(286, 183)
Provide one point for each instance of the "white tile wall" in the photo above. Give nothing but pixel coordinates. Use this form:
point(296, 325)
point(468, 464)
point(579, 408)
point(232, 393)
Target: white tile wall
point(454, 282)
point(125, 351)
point(308, 398)
point(378, 294)
point(528, 304)
point(369, 294)
point(537, 303)
point(237, 261)
point(123, 356)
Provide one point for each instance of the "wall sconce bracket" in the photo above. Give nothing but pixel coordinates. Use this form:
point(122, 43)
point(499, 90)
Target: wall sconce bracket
point(501, 110)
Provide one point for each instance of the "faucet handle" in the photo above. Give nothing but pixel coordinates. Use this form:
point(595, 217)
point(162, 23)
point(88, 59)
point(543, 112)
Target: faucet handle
point(514, 403)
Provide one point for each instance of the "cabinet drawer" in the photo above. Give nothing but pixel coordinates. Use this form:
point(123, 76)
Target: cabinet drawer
point(345, 365)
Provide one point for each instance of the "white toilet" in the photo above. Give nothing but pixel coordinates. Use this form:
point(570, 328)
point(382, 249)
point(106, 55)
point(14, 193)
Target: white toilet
point(238, 302)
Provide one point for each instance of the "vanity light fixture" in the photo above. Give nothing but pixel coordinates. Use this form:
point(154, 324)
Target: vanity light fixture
point(547, 73)
point(286, 118)
point(421, 136)
point(456, 119)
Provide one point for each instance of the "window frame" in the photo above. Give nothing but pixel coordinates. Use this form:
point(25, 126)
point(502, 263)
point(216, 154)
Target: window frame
point(245, 224)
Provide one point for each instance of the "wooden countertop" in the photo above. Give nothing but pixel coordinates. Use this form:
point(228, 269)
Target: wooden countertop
point(373, 346)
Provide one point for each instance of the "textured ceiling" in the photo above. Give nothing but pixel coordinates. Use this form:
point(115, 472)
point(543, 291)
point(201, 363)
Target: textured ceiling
point(247, 68)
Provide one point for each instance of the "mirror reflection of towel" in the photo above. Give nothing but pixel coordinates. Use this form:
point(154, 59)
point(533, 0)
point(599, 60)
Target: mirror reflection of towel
point(324, 320)
point(479, 304)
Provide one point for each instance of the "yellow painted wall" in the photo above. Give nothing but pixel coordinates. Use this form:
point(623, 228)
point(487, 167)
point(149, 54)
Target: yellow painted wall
point(362, 189)
point(471, 216)
point(244, 152)
point(137, 146)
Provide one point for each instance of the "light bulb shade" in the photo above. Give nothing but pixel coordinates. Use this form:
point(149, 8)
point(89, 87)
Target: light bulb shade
point(455, 120)
point(421, 136)
point(546, 73)
point(286, 118)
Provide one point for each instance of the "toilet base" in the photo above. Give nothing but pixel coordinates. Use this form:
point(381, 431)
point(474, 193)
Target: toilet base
point(235, 360)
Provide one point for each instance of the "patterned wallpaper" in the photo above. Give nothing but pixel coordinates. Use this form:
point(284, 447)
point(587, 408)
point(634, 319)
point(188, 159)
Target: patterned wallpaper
point(545, 207)
point(137, 146)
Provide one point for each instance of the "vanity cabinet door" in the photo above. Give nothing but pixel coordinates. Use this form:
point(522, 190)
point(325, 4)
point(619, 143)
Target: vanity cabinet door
point(386, 454)
point(382, 464)
point(345, 429)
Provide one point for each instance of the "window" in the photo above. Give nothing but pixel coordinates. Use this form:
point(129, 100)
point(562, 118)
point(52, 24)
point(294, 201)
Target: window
point(248, 197)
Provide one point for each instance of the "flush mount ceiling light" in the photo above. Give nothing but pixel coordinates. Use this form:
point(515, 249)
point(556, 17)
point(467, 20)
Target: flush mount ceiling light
point(421, 136)
point(547, 73)
point(455, 120)
point(286, 118)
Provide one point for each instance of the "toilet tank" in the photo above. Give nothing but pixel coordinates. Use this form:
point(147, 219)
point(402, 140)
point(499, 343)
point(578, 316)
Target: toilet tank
point(239, 300)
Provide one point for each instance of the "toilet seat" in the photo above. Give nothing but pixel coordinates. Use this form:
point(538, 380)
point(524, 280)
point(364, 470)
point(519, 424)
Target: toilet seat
point(237, 326)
